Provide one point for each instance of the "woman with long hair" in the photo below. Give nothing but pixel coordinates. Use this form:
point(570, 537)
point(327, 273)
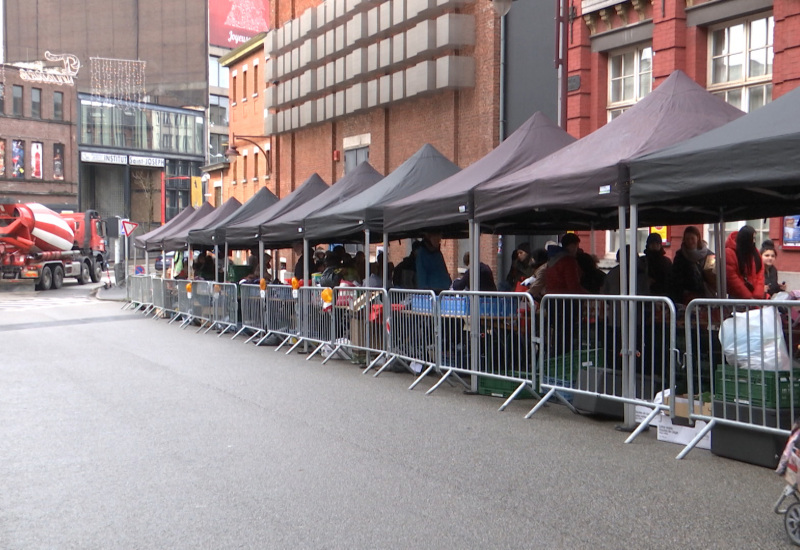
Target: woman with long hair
point(768, 256)
point(692, 268)
point(744, 269)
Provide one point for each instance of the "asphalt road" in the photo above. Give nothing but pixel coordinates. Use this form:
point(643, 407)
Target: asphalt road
point(119, 431)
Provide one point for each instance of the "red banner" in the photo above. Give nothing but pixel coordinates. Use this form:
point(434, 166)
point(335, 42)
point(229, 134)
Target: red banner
point(234, 22)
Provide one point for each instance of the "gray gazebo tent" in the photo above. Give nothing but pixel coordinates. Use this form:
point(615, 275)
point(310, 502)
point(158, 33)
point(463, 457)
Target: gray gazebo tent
point(364, 212)
point(748, 168)
point(177, 229)
point(246, 233)
point(449, 205)
point(142, 240)
point(215, 235)
point(180, 239)
point(582, 185)
point(290, 227)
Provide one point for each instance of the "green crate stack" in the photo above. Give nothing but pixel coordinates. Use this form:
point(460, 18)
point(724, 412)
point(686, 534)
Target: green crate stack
point(497, 387)
point(569, 365)
point(757, 387)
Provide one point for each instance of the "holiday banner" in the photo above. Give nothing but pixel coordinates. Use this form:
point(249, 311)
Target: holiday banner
point(17, 158)
point(2, 157)
point(36, 160)
point(234, 22)
point(58, 161)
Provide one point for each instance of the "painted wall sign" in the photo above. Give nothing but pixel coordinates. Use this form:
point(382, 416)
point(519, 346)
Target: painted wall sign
point(234, 22)
point(54, 75)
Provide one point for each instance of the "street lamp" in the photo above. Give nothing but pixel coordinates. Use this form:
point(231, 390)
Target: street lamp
point(501, 7)
point(231, 152)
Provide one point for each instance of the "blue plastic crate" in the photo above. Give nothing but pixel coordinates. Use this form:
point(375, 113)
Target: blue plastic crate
point(454, 305)
point(496, 306)
point(422, 303)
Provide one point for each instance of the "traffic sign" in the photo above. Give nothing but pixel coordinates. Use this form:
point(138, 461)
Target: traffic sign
point(128, 227)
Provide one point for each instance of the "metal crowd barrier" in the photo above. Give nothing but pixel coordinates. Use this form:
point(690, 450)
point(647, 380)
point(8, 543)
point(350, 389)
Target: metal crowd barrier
point(280, 314)
point(252, 299)
point(197, 304)
point(315, 320)
point(412, 326)
point(359, 321)
point(741, 365)
point(171, 288)
point(488, 335)
point(584, 340)
point(158, 297)
point(140, 292)
point(224, 306)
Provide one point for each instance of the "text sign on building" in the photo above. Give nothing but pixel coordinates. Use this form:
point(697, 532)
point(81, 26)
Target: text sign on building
point(233, 22)
point(103, 158)
point(146, 161)
point(54, 75)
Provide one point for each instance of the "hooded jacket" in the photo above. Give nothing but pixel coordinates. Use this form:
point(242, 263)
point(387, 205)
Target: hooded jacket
point(737, 283)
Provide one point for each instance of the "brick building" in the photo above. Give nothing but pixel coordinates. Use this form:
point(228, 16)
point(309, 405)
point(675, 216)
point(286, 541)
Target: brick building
point(340, 82)
point(743, 51)
point(37, 137)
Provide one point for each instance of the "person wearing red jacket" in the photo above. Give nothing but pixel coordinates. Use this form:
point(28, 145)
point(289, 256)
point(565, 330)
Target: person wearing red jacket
point(743, 267)
point(563, 275)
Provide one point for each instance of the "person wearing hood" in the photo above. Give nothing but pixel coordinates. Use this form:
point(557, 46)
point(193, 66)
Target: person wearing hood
point(692, 269)
point(432, 271)
point(563, 274)
point(657, 266)
point(744, 269)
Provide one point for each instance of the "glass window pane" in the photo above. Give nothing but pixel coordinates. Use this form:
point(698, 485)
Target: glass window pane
point(734, 97)
point(616, 91)
point(627, 63)
point(719, 42)
point(213, 71)
point(755, 98)
point(616, 66)
point(719, 70)
point(627, 88)
point(758, 34)
point(758, 63)
point(223, 77)
point(736, 67)
point(736, 39)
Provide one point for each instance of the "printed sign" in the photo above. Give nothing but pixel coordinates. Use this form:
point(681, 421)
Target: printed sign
point(234, 22)
point(791, 231)
point(129, 227)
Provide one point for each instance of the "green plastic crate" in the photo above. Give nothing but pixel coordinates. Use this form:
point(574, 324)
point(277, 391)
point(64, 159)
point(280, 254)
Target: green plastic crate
point(757, 387)
point(569, 365)
point(497, 387)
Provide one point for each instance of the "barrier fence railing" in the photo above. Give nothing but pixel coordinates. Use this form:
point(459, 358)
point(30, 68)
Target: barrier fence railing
point(280, 314)
point(252, 305)
point(584, 341)
point(315, 320)
point(491, 336)
point(359, 323)
point(224, 306)
point(742, 365)
point(171, 290)
point(412, 328)
point(140, 292)
point(158, 297)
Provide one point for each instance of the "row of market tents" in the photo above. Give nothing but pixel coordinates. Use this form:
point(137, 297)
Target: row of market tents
point(680, 155)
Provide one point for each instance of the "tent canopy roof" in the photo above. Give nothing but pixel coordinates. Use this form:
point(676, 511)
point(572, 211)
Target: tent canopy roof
point(165, 238)
point(348, 220)
point(290, 227)
point(180, 239)
point(245, 233)
point(263, 199)
point(745, 169)
point(580, 185)
point(142, 240)
point(448, 205)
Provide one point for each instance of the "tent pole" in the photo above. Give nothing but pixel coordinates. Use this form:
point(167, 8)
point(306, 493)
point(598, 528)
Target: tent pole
point(630, 410)
point(474, 285)
point(261, 266)
point(385, 266)
point(592, 240)
point(306, 264)
point(623, 285)
point(225, 276)
point(216, 262)
point(719, 244)
point(366, 257)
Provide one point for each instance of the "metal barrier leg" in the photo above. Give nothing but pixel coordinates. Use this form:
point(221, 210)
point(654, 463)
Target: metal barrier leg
point(439, 382)
point(238, 332)
point(255, 335)
point(541, 402)
point(316, 351)
point(697, 439)
point(514, 395)
point(282, 342)
point(331, 354)
point(644, 425)
point(291, 349)
point(385, 365)
point(421, 376)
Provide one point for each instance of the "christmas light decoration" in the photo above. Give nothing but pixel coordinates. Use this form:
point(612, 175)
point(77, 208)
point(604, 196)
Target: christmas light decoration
point(120, 79)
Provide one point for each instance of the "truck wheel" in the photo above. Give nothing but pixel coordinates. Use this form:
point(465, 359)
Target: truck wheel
point(85, 275)
point(58, 276)
point(97, 271)
point(46, 279)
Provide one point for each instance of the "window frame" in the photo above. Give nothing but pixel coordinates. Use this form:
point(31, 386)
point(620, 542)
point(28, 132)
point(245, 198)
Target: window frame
point(18, 101)
point(616, 108)
point(747, 83)
point(58, 106)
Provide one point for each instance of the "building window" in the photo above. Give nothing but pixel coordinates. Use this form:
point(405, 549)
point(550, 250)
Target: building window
point(2, 99)
point(2, 157)
point(244, 169)
point(244, 85)
point(58, 161)
point(17, 91)
point(218, 110)
point(58, 105)
point(37, 154)
point(255, 165)
point(17, 158)
point(36, 102)
point(741, 62)
point(217, 74)
point(255, 80)
point(354, 157)
point(630, 78)
point(233, 89)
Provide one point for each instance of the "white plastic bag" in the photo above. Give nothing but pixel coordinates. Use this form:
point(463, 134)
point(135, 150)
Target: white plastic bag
point(754, 340)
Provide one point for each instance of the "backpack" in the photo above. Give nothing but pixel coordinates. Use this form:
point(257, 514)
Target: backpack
point(331, 277)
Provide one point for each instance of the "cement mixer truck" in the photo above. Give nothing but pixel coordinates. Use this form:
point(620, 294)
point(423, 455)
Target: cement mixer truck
point(43, 246)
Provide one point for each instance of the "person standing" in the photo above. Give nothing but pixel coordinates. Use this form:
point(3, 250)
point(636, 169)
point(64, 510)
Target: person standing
point(768, 256)
point(431, 268)
point(658, 268)
point(743, 266)
point(692, 269)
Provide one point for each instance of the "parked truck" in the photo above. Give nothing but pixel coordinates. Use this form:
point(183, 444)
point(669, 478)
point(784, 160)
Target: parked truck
point(43, 246)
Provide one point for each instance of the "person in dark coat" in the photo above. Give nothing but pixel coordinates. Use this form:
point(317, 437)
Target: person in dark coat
point(692, 269)
point(657, 267)
point(768, 256)
point(486, 278)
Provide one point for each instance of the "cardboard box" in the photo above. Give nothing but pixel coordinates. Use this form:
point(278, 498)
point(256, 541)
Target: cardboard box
point(642, 412)
point(682, 406)
point(682, 435)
